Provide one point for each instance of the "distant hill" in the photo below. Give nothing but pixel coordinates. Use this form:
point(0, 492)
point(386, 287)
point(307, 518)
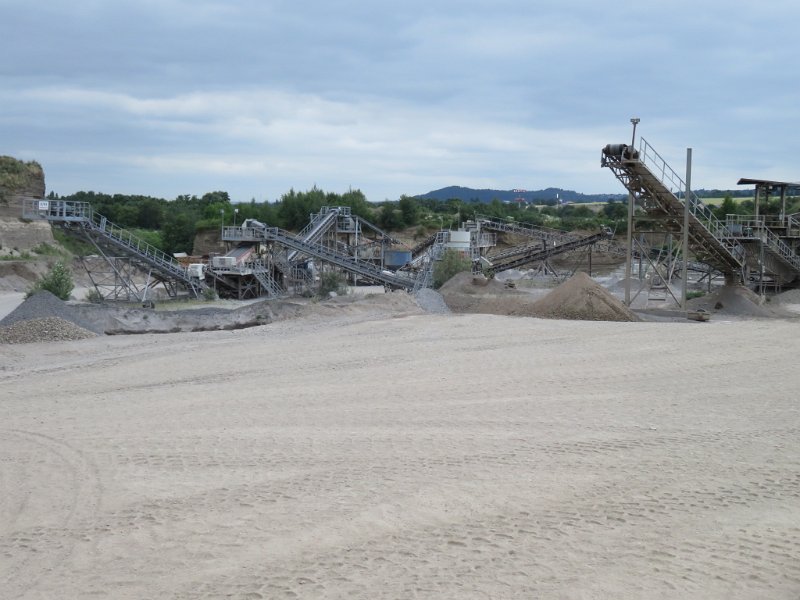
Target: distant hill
point(471, 195)
point(549, 195)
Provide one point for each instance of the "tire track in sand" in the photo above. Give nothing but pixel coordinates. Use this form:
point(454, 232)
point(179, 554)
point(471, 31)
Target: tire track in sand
point(41, 527)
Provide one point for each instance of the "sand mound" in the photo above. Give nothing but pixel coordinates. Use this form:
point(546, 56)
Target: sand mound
point(467, 283)
point(733, 300)
point(581, 298)
point(787, 297)
point(465, 293)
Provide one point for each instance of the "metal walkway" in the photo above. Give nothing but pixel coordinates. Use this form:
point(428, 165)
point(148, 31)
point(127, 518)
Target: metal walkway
point(532, 254)
point(317, 250)
point(78, 218)
point(552, 237)
point(317, 226)
point(660, 189)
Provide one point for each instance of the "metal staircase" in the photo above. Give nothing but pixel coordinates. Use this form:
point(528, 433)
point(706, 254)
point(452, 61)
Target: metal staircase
point(318, 224)
point(779, 259)
point(262, 273)
point(317, 250)
point(78, 218)
point(662, 193)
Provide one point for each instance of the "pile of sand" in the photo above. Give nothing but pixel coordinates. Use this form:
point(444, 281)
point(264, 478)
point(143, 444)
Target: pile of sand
point(734, 301)
point(583, 299)
point(579, 298)
point(787, 297)
point(466, 293)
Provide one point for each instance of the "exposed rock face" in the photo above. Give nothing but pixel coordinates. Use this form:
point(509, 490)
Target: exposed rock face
point(208, 242)
point(18, 235)
point(20, 180)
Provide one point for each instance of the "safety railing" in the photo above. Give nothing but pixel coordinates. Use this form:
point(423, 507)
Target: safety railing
point(702, 213)
point(750, 226)
point(527, 229)
point(346, 262)
point(82, 213)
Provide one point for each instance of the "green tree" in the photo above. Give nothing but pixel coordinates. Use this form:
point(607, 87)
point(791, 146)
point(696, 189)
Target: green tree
point(149, 216)
point(389, 217)
point(728, 207)
point(178, 233)
point(409, 209)
point(57, 281)
point(451, 263)
point(615, 211)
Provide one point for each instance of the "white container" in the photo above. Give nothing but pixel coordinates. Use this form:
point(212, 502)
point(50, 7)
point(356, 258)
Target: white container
point(223, 262)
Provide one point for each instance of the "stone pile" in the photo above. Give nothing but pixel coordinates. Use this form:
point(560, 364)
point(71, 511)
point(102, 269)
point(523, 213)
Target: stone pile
point(45, 318)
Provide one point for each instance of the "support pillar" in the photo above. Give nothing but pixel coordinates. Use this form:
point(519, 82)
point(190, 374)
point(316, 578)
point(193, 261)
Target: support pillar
point(688, 191)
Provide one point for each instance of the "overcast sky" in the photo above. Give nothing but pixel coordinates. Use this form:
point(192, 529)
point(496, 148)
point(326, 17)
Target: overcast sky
point(169, 97)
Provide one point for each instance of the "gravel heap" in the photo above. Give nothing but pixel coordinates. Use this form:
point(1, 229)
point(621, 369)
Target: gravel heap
point(48, 329)
point(431, 301)
point(734, 301)
point(583, 299)
point(42, 318)
point(787, 297)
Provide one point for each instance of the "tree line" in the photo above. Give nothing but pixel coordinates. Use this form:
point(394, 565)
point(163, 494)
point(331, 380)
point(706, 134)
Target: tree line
point(172, 225)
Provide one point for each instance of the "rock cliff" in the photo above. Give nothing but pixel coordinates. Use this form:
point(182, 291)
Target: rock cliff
point(20, 180)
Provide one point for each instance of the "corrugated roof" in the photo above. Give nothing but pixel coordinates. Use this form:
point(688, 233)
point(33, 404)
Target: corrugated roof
point(769, 182)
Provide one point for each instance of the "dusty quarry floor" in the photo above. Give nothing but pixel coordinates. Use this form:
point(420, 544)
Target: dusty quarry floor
point(428, 456)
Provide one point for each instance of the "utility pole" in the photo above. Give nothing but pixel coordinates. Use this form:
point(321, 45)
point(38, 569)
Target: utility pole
point(686, 194)
point(629, 253)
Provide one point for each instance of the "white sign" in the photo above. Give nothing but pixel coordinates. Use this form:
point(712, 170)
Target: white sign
point(44, 205)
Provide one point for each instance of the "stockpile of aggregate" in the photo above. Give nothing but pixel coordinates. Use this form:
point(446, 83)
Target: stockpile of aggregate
point(45, 318)
point(733, 301)
point(579, 298)
point(468, 293)
point(583, 299)
point(431, 301)
point(787, 297)
point(48, 329)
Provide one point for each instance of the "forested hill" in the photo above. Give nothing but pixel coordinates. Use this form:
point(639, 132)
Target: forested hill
point(534, 196)
point(549, 195)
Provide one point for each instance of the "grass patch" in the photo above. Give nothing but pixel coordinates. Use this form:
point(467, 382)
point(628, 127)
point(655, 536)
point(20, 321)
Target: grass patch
point(24, 255)
point(72, 244)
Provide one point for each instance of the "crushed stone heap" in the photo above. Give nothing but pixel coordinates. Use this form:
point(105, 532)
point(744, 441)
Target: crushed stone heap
point(583, 299)
point(48, 329)
point(44, 304)
point(578, 298)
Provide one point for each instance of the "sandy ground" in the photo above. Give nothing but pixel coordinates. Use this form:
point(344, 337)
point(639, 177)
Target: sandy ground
point(9, 301)
point(468, 456)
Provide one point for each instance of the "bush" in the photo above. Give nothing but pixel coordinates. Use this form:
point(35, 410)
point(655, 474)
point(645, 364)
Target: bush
point(331, 281)
point(690, 295)
point(57, 281)
point(452, 262)
point(94, 296)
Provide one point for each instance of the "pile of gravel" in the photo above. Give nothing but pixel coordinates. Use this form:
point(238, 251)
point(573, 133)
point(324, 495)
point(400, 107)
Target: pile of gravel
point(583, 299)
point(43, 317)
point(48, 329)
point(431, 301)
